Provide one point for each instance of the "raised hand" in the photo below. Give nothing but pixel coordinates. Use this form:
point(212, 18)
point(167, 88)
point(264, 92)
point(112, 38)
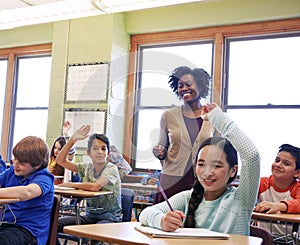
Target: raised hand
point(81, 133)
point(66, 128)
point(206, 109)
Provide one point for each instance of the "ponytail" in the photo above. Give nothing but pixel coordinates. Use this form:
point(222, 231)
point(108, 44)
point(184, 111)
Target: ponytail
point(196, 198)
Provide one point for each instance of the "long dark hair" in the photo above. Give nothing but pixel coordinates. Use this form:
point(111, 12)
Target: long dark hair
point(198, 190)
point(62, 141)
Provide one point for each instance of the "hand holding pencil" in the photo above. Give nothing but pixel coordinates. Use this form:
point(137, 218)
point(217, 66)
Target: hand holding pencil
point(172, 220)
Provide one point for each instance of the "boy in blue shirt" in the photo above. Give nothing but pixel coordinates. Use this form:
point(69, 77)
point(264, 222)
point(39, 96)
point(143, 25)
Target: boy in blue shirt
point(27, 221)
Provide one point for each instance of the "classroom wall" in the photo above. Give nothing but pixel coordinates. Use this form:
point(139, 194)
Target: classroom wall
point(24, 36)
point(106, 38)
point(88, 40)
point(210, 13)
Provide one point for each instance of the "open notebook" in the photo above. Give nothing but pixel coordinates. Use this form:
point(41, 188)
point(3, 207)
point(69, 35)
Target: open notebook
point(196, 233)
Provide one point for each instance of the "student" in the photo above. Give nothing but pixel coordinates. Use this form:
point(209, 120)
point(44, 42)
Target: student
point(182, 131)
point(116, 157)
point(27, 221)
point(58, 144)
point(212, 203)
point(2, 165)
point(97, 175)
point(280, 192)
point(151, 179)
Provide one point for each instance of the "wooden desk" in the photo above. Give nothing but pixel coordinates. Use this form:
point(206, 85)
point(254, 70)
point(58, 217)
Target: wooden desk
point(79, 195)
point(294, 219)
point(124, 234)
point(290, 218)
point(8, 200)
point(65, 192)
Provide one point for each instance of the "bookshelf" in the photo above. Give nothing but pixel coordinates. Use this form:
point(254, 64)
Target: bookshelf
point(143, 197)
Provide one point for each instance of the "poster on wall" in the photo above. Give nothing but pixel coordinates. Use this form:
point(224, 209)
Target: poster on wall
point(87, 82)
point(95, 118)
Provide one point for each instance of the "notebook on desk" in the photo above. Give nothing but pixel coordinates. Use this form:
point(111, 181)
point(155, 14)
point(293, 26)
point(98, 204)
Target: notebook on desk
point(196, 233)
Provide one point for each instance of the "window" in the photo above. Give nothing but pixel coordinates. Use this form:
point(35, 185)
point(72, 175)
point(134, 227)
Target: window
point(155, 95)
point(31, 111)
point(26, 83)
point(262, 91)
point(255, 79)
point(3, 71)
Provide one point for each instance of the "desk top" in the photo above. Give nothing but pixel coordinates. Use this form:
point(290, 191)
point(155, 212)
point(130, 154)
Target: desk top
point(124, 234)
point(79, 193)
point(8, 200)
point(138, 185)
point(293, 218)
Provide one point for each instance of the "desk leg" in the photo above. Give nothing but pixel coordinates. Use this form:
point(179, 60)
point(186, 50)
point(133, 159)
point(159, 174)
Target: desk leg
point(295, 233)
point(77, 215)
point(77, 211)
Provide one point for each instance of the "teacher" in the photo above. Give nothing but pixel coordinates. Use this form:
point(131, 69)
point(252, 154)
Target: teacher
point(182, 130)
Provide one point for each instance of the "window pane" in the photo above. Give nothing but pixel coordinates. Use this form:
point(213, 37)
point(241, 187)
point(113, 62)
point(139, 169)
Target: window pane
point(3, 72)
point(30, 122)
point(264, 72)
point(268, 129)
point(158, 64)
point(147, 137)
point(33, 82)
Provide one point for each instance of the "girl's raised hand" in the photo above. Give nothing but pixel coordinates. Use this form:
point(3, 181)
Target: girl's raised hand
point(206, 109)
point(82, 132)
point(66, 128)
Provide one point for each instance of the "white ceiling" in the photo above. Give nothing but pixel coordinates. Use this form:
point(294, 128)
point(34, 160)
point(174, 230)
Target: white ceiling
point(16, 13)
point(13, 4)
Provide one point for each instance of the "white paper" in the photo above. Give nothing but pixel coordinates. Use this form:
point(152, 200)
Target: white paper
point(196, 233)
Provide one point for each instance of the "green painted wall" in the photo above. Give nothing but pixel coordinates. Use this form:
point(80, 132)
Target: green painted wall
point(86, 40)
point(24, 36)
point(210, 13)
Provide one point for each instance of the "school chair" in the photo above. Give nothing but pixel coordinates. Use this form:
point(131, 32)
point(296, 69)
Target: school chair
point(127, 196)
point(262, 233)
point(54, 221)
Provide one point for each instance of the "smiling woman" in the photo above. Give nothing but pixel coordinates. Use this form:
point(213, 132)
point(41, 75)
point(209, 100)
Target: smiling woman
point(182, 130)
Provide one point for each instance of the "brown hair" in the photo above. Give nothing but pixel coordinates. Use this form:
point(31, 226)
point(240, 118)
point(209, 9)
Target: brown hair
point(33, 150)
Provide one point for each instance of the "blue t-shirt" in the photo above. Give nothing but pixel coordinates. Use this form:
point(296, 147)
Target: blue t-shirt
point(2, 165)
point(34, 214)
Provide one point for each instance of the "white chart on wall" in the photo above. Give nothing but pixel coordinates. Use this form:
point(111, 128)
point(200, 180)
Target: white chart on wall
point(87, 82)
point(97, 120)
